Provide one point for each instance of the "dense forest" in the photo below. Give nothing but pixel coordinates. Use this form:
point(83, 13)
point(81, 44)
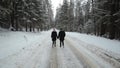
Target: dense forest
point(98, 17)
point(25, 14)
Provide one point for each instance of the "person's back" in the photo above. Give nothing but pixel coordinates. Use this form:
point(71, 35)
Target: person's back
point(61, 36)
point(54, 37)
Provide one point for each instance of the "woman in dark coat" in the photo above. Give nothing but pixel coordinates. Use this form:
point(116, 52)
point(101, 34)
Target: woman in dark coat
point(54, 37)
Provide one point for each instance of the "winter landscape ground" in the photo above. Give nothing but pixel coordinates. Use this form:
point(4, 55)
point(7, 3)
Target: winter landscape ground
point(34, 50)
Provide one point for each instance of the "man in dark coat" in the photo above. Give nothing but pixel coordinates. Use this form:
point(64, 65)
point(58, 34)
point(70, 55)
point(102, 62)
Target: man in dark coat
point(54, 37)
point(61, 37)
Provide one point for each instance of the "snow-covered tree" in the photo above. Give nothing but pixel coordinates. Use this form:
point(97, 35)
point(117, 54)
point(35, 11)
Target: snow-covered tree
point(27, 14)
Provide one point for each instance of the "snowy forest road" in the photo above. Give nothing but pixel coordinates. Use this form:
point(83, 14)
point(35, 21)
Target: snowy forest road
point(69, 57)
point(79, 55)
point(72, 57)
point(40, 54)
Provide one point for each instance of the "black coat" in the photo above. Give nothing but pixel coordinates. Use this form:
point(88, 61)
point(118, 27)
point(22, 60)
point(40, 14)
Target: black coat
point(54, 35)
point(61, 35)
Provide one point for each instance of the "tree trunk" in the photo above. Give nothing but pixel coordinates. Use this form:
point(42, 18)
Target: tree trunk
point(30, 27)
point(33, 27)
point(12, 19)
point(103, 29)
point(26, 26)
point(114, 9)
point(16, 25)
point(93, 12)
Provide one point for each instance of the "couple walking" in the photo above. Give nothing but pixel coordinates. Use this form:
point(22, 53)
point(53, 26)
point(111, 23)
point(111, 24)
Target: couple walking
point(60, 36)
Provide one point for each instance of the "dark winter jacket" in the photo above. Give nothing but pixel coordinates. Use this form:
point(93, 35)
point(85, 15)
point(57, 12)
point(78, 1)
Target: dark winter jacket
point(61, 35)
point(54, 35)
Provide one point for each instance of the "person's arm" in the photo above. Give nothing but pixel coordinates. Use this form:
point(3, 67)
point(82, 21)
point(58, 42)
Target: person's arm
point(56, 34)
point(51, 34)
point(64, 34)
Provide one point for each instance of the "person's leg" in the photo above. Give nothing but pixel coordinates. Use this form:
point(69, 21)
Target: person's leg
point(55, 43)
point(63, 43)
point(60, 43)
point(52, 43)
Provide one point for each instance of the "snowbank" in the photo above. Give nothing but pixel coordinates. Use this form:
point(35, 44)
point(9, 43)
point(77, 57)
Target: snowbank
point(107, 44)
point(12, 42)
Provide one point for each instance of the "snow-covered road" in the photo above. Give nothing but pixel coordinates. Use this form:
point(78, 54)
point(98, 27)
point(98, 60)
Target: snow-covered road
point(75, 54)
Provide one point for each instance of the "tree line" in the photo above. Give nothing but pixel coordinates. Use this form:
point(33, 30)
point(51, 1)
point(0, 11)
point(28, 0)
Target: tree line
point(25, 15)
point(98, 17)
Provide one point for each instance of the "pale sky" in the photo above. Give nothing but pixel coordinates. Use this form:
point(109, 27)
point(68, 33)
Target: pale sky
point(55, 4)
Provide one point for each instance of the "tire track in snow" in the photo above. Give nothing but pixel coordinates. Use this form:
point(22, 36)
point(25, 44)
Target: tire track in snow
point(53, 58)
point(97, 54)
point(86, 62)
point(69, 60)
point(63, 58)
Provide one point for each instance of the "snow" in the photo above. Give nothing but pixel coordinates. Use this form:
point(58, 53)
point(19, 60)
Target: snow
point(89, 57)
point(28, 20)
point(1, 29)
point(12, 42)
point(107, 44)
point(34, 50)
point(35, 19)
point(4, 9)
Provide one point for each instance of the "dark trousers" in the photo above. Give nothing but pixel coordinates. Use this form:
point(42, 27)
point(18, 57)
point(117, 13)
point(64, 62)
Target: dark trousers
point(61, 43)
point(54, 43)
